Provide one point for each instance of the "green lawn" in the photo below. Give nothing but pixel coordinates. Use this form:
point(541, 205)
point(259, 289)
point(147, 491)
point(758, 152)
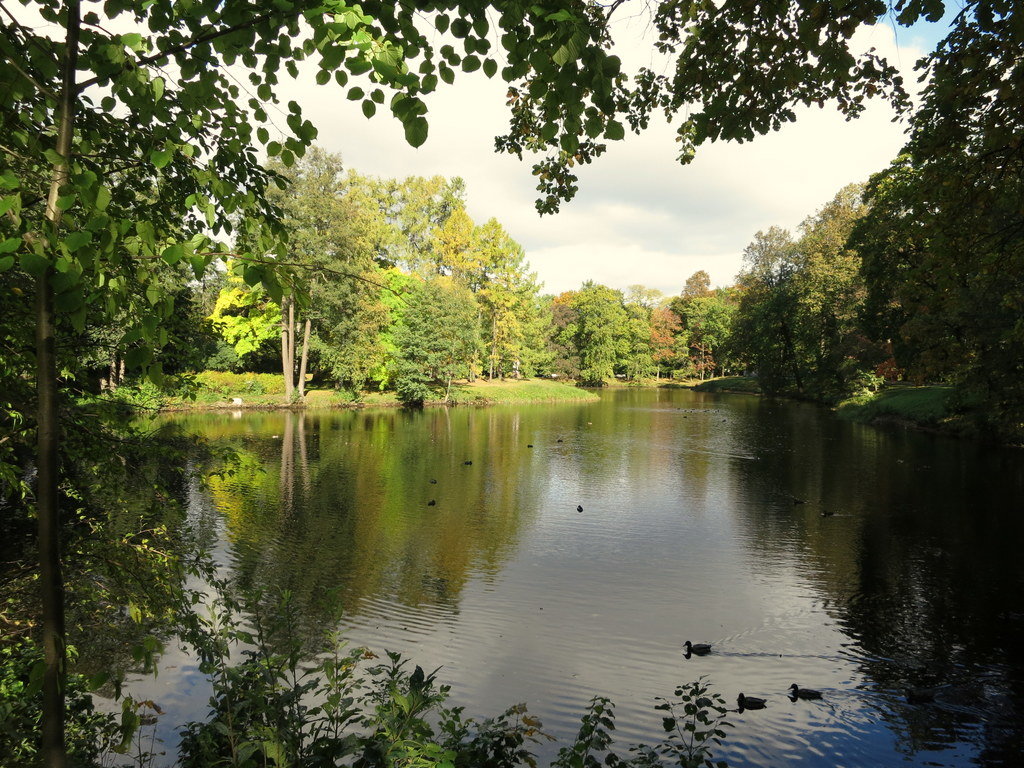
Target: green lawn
point(743, 384)
point(266, 391)
point(927, 406)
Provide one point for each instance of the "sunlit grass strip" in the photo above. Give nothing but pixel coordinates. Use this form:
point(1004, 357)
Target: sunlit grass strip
point(928, 406)
point(742, 384)
point(523, 391)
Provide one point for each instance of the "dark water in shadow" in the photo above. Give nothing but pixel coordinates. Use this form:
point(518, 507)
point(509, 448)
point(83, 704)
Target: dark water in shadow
point(688, 531)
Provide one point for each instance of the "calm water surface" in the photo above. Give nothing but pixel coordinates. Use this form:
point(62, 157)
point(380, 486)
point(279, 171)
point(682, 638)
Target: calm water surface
point(689, 530)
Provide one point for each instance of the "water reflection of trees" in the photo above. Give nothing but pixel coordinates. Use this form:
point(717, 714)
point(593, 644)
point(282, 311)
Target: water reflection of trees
point(921, 565)
point(333, 507)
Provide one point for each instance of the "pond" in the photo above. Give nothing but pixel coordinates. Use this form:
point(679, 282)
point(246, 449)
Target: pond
point(900, 568)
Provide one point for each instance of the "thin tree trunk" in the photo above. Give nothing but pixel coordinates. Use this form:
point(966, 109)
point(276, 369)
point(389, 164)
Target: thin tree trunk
point(791, 351)
point(494, 344)
point(54, 753)
point(286, 367)
point(291, 338)
point(448, 391)
point(48, 512)
point(305, 357)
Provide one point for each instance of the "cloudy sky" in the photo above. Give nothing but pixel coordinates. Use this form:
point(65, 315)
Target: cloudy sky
point(639, 216)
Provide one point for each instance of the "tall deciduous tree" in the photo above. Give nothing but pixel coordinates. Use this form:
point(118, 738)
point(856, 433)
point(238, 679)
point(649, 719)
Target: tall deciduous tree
point(436, 339)
point(600, 332)
point(765, 322)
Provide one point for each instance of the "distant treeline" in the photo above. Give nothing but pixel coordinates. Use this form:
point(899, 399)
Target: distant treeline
point(396, 287)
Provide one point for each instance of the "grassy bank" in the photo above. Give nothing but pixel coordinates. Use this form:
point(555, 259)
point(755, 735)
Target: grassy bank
point(746, 385)
point(216, 391)
point(482, 392)
point(928, 407)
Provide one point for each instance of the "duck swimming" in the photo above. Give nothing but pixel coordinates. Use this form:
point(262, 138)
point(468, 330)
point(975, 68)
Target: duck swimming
point(699, 649)
point(796, 692)
point(750, 702)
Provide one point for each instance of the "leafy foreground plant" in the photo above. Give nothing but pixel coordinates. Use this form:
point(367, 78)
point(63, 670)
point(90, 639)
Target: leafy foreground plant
point(275, 709)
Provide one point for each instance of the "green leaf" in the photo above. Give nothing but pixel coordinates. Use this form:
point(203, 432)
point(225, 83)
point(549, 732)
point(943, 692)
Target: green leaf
point(369, 108)
point(416, 130)
point(173, 253)
point(252, 274)
point(6, 262)
point(136, 356)
point(76, 240)
point(614, 131)
point(102, 198)
point(68, 301)
point(153, 293)
point(490, 67)
point(10, 244)
point(132, 40)
point(33, 263)
point(145, 231)
point(97, 681)
point(198, 264)
point(160, 157)
point(11, 202)
point(358, 66)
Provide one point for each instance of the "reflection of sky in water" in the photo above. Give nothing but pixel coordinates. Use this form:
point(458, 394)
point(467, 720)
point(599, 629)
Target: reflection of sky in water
point(689, 531)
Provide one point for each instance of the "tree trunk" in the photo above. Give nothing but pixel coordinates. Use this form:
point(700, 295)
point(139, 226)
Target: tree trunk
point(48, 512)
point(111, 383)
point(791, 351)
point(291, 339)
point(305, 357)
point(53, 750)
point(494, 345)
point(286, 363)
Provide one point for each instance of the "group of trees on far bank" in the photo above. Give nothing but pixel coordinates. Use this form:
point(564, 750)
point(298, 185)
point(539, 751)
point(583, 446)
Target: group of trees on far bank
point(396, 287)
point(401, 289)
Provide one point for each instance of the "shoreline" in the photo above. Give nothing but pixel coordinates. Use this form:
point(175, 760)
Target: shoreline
point(904, 406)
point(474, 394)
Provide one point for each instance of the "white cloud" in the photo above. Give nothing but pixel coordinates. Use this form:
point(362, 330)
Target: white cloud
point(639, 216)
